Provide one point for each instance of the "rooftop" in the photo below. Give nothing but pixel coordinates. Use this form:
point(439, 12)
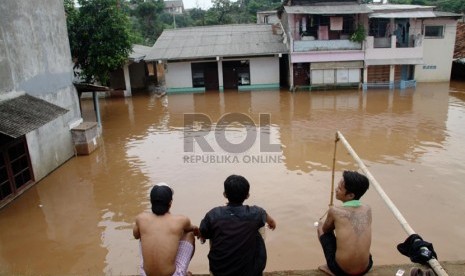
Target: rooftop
point(216, 41)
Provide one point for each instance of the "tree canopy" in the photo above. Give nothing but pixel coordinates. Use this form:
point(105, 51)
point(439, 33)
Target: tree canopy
point(99, 35)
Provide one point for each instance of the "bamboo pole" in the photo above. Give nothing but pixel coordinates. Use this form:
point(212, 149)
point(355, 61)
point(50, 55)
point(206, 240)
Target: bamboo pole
point(332, 175)
point(435, 265)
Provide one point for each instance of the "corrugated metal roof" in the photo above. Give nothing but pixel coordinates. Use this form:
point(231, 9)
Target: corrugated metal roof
point(403, 14)
point(139, 52)
point(398, 7)
point(213, 41)
point(341, 8)
point(447, 14)
point(407, 11)
point(25, 113)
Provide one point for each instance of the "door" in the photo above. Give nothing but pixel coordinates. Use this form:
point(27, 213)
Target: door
point(402, 32)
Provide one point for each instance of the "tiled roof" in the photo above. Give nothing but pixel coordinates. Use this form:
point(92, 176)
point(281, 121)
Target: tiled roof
point(213, 41)
point(25, 113)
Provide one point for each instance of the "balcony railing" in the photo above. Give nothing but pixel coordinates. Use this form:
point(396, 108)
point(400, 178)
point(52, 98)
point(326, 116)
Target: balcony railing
point(387, 51)
point(391, 42)
point(325, 45)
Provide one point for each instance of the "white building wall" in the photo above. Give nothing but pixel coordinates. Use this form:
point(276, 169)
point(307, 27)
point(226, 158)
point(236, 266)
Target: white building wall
point(35, 59)
point(437, 53)
point(264, 70)
point(179, 75)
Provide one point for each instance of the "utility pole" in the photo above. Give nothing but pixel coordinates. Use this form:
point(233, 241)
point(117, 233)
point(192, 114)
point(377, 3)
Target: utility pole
point(174, 20)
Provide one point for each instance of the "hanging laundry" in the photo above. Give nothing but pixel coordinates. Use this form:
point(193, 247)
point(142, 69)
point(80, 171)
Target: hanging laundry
point(336, 23)
point(323, 33)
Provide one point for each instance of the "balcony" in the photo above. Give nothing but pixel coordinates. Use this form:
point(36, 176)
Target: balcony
point(307, 44)
point(384, 51)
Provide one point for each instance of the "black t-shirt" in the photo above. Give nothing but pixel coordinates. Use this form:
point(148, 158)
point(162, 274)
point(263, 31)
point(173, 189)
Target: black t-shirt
point(237, 248)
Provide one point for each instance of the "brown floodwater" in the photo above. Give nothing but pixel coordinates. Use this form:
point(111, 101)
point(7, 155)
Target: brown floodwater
point(78, 220)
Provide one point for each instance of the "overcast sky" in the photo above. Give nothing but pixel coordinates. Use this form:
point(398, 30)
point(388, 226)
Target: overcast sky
point(203, 4)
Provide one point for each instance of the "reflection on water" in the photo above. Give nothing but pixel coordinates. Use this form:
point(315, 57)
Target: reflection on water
point(78, 220)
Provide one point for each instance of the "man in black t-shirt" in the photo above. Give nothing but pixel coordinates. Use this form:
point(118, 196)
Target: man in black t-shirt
point(237, 248)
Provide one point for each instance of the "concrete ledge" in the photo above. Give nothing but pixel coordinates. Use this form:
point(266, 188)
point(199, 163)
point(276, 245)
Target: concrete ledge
point(453, 268)
point(258, 87)
point(183, 90)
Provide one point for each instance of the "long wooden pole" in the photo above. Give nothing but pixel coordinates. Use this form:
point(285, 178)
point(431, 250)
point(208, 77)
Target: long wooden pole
point(332, 175)
point(435, 265)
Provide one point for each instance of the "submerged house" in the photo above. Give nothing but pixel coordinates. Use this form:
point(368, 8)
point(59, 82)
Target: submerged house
point(314, 44)
point(241, 57)
point(346, 43)
point(38, 102)
point(135, 74)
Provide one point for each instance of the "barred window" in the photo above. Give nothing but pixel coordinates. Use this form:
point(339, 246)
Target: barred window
point(434, 31)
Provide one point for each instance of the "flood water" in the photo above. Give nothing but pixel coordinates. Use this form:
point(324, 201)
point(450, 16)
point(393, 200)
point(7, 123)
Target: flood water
point(78, 220)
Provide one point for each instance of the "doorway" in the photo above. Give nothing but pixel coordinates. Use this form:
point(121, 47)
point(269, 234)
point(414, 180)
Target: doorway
point(402, 32)
point(205, 74)
point(236, 73)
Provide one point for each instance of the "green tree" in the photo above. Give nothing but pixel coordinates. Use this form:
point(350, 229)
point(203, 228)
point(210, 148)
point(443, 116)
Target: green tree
point(222, 12)
point(197, 16)
point(99, 37)
point(147, 14)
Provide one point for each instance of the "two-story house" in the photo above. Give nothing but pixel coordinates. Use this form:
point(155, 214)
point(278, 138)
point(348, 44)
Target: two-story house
point(408, 43)
point(346, 43)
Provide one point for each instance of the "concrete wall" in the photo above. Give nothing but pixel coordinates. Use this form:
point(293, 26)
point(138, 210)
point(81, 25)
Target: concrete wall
point(437, 53)
point(264, 70)
point(35, 58)
point(179, 75)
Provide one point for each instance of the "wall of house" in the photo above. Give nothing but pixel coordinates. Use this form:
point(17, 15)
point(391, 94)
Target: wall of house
point(35, 59)
point(264, 71)
point(178, 75)
point(437, 53)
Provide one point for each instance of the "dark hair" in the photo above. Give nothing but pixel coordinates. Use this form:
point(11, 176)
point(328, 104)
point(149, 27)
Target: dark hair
point(355, 183)
point(161, 197)
point(236, 188)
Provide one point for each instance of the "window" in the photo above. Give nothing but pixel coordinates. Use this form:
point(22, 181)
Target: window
point(15, 168)
point(434, 31)
point(379, 27)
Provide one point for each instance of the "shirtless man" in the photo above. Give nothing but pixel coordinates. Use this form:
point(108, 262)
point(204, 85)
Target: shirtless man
point(166, 240)
point(345, 235)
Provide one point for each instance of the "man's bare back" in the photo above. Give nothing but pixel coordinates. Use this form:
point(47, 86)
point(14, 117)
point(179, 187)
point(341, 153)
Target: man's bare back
point(159, 237)
point(345, 235)
point(353, 236)
point(167, 241)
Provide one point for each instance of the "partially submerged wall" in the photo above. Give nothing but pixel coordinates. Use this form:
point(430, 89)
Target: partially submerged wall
point(35, 59)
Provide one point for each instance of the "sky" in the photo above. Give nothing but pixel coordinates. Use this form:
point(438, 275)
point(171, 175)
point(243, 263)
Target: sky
point(203, 4)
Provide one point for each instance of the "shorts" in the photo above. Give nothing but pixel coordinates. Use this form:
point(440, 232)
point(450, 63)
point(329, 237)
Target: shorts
point(328, 242)
point(183, 258)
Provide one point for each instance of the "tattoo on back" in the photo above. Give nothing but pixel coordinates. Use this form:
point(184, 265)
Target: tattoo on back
point(358, 220)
